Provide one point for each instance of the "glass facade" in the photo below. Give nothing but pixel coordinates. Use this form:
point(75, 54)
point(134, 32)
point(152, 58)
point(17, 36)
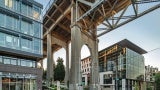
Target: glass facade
point(17, 61)
point(10, 4)
point(20, 30)
point(22, 7)
point(26, 33)
point(134, 65)
point(33, 45)
point(128, 63)
point(17, 81)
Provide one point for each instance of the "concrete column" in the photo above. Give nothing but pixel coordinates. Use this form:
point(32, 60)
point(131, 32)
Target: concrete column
point(49, 60)
point(75, 73)
point(67, 65)
point(53, 65)
point(94, 84)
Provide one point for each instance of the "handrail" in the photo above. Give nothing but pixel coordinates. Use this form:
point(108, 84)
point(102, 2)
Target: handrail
point(47, 7)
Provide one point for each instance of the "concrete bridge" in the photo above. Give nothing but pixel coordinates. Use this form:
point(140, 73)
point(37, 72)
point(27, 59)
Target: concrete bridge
point(76, 21)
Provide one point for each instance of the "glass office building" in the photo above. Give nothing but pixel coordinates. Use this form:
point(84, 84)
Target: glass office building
point(125, 60)
point(20, 44)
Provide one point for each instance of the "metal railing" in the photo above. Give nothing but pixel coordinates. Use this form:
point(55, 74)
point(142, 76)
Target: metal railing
point(47, 7)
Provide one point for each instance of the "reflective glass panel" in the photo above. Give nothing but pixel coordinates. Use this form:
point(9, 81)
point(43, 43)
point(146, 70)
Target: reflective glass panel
point(2, 39)
point(9, 40)
point(14, 61)
point(6, 61)
point(2, 18)
point(26, 45)
point(23, 63)
point(1, 60)
point(36, 12)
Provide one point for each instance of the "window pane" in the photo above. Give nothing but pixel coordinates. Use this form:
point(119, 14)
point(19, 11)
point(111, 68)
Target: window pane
point(37, 29)
point(16, 5)
point(24, 27)
point(2, 2)
point(29, 63)
point(2, 39)
point(23, 63)
point(6, 61)
point(19, 62)
point(36, 12)
point(26, 45)
point(1, 60)
point(1, 20)
point(16, 24)
point(9, 3)
point(34, 64)
point(6, 2)
point(37, 47)
point(16, 42)
point(30, 11)
point(24, 9)
point(9, 40)
point(9, 22)
point(13, 61)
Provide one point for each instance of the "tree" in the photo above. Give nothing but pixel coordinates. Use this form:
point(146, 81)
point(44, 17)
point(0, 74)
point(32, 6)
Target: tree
point(59, 71)
point(157, 81)
point(44, 74)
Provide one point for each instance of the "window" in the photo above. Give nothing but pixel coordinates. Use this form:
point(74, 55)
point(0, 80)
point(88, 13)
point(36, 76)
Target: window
point(6, 61)
point(16, 42)
point(37, 29)
point(9, 22)
point(107, 79)
point(9, 3)
point(2, 2)
point(2, 18)
point(1, 60)
point(29, 63)
point(23, 63)
point(110, 65)
point(16, 24)
point(36, 12)
point(9, 40)
point(14, 61)
point(2, 39)
point(18, 62)
point(26, 9)
point(37, 46)
point(26, 44)
point(34, 64)
point(26, 27)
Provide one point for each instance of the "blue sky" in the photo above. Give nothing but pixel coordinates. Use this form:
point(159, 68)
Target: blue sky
point(144, 32)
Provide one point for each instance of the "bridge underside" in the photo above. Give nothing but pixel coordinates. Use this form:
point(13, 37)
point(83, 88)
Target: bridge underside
point(76, 21)
point(57, 20)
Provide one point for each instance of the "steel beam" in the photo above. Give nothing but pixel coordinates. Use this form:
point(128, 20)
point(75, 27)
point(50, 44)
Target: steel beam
point(125, 22)
point(57, 21)
point(96, 4)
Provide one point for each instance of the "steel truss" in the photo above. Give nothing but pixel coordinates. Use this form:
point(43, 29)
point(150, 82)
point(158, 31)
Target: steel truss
point(115, 21)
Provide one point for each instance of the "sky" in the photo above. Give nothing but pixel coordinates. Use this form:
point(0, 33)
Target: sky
point(144, 32)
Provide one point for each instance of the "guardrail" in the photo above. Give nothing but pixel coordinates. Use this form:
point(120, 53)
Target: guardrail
point(47, 7)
